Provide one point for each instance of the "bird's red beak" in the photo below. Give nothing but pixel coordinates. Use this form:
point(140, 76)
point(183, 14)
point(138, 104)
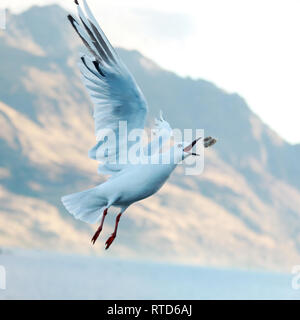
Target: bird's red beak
point(189, 147)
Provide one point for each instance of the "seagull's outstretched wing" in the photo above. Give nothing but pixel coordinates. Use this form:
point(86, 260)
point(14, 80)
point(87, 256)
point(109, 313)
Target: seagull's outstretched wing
point(112, 88)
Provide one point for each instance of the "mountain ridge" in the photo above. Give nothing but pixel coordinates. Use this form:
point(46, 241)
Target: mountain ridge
point(242, 211)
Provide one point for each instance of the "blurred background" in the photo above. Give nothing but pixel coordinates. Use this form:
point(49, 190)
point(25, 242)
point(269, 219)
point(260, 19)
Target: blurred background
point(231, 232)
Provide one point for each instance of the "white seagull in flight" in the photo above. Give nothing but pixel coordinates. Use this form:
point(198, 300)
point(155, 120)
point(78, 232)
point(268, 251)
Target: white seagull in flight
point(117, 97)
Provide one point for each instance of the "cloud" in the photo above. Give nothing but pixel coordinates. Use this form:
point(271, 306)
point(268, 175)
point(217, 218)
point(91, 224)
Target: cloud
point(166, 25)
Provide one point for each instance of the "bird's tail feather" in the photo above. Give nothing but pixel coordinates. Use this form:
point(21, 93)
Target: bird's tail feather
point(86, 205)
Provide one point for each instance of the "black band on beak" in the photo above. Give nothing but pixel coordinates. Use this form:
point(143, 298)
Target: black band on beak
point(189, 147)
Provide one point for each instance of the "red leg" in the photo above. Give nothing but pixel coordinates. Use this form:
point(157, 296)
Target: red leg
point(97, 233)
point(110, 240)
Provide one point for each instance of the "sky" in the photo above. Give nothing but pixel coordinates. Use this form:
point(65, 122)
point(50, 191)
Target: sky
point(249, 47)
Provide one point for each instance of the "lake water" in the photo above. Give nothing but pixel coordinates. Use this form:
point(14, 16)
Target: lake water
point(40, 275)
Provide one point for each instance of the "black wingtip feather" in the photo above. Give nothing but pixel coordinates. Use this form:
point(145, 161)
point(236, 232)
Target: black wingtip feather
point(101, 40)
point(72, 20)
point(95, 42)
point(76, 2)
point(97, 66)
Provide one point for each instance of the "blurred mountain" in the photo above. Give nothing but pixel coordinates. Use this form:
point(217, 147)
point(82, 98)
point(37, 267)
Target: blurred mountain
point(243, 211)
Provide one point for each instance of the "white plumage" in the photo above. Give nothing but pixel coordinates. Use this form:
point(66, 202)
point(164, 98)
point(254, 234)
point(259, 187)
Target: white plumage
point(117, 97)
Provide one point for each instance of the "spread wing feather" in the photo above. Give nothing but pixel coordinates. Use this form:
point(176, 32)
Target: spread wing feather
point(112, 88)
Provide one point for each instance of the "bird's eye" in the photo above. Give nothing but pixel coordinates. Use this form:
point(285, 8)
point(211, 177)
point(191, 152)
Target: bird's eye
point(179, 145)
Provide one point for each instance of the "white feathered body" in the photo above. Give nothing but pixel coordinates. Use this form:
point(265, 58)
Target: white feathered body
point(117, 99)
point(135, 183)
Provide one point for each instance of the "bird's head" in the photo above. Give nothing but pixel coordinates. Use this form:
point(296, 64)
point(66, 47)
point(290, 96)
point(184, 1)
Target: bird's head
point(183, 149)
